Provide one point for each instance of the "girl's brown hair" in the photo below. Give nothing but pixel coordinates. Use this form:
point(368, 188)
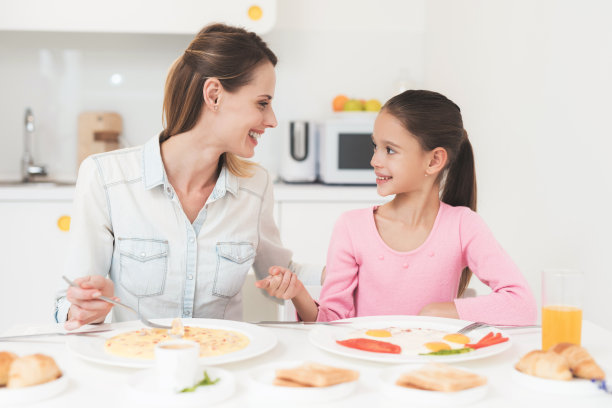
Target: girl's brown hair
point(227, 53)
point(436, 121)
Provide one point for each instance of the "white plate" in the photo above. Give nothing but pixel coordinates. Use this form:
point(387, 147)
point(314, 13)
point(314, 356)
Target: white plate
point(413, 396)
point(92, 348)
point(325, 336)
point(143, 391)
point(10, 396)
point(575, 386)
point(261, 383)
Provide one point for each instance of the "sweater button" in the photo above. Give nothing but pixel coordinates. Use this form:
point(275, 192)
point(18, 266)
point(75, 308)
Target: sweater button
point(381, 257)
point(405, 266)
point(431, 254)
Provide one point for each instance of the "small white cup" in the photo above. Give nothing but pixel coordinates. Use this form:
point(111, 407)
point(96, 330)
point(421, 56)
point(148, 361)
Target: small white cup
point(176, 364)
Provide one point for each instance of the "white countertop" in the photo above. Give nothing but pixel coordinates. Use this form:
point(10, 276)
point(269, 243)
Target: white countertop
point(282, 192)
point(102, 386)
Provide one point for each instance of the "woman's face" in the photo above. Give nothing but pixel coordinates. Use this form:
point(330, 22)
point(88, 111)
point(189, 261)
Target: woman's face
point(399, 161)
point(246, 113)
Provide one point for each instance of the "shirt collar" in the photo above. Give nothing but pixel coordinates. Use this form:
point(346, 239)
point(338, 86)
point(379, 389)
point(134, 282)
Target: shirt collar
point(226, 182)
point(154, 173)
point(152, 165)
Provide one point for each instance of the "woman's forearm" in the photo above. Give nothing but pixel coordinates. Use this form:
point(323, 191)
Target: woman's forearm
point(305, 306)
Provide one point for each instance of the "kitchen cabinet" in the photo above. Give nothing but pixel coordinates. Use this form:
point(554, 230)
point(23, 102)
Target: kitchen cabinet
point(33, 241)
point(136, 16)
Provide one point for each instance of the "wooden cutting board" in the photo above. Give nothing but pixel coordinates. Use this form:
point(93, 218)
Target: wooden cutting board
point(98, 132)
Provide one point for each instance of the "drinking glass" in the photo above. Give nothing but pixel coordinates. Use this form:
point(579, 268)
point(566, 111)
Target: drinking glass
point(562, 292)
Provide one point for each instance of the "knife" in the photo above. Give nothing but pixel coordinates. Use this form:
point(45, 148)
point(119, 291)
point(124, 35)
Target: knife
point(24, 336)
point(282, 322)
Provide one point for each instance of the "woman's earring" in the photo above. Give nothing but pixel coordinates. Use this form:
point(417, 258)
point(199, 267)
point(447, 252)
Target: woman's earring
point(216, 107)
point(426, 174)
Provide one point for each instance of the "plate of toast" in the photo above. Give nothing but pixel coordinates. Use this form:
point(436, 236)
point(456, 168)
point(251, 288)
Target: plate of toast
point(304, 381)
point(406, 339)
point(29, 378)
point(564, 369)
point(433, 384)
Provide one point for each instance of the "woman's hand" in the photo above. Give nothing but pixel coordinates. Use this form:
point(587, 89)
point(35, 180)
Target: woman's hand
point(442, 309)
point(85, 308)
point(281, 283)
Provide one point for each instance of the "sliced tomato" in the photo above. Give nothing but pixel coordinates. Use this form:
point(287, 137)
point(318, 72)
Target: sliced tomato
point(489, 340)
point(375, 346)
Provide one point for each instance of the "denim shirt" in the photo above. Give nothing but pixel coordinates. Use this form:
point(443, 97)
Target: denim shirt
point(128, 225)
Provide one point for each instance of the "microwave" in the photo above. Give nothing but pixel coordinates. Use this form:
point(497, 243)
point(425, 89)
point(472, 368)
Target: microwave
point(345, 149)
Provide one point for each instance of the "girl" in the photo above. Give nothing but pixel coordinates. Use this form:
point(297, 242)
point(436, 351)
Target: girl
point(415, 254)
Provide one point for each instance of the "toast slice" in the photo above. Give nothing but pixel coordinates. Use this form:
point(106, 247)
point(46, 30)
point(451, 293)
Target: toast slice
point(317, 375)
point(440, 377)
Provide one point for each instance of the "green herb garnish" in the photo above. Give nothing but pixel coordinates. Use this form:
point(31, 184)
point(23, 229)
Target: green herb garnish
point(205, 381)
point(447, 352)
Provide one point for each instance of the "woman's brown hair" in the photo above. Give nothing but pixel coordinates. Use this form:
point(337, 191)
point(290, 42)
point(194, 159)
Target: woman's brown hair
point(227, 53)
point(436, 121)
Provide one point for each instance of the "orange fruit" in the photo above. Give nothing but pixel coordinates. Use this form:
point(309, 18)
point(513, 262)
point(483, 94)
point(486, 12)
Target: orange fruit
point(338, 103)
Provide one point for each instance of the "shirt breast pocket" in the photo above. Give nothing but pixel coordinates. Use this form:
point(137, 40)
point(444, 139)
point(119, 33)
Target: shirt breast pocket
point(232, 266)
point(143, 265)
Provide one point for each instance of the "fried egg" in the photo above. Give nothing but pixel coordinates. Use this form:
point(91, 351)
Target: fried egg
point(413, 341)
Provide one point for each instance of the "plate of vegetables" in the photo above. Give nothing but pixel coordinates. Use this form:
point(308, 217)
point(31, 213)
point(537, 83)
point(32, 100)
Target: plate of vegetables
point(409, 339)
point(215, 385)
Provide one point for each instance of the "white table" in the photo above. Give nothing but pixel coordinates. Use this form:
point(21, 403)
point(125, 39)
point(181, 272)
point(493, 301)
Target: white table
point(94, 385)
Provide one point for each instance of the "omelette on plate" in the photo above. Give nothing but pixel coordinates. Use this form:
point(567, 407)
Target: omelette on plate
point(141, 343)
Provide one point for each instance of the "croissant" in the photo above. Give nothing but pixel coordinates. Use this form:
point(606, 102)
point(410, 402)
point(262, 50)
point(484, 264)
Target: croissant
point(580, 361)
point(32, 370)
point(6, 359)
point(545, 364)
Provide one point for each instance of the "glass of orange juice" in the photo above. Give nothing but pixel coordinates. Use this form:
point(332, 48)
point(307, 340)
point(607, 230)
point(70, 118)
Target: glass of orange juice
point(562, 292)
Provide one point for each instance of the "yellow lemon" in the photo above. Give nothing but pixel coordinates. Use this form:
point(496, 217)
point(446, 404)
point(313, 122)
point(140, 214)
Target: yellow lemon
point(378, 333)
point(457, 338)
point(437, 346)
point(373, 105)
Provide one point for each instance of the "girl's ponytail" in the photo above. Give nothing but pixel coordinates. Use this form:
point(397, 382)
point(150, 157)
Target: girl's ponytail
point(459, 189)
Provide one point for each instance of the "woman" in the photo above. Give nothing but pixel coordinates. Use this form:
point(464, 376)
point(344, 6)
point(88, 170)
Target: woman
point(177, 223)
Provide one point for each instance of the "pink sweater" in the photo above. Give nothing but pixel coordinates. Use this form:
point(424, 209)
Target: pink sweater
point(364, 277)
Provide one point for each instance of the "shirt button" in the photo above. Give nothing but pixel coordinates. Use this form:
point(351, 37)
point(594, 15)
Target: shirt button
point(405, 266)
point(189, 277)
point(142, 254)
point(431, 254)
point(191, 240)
point(186, 314)
point(381, 257)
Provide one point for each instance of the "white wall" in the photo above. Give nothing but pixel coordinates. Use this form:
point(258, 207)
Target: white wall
point(533, 79)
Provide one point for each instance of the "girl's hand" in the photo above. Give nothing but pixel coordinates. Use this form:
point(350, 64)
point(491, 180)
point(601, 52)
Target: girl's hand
point(281, 283)
point(85, 308)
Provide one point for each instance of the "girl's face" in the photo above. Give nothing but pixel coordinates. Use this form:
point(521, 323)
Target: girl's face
point(398, 160)
point(247, 112)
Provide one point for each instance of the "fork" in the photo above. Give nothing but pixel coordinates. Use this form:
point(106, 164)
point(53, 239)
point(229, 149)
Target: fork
point(478, 325)
point(144, 321)
point(470, 327)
